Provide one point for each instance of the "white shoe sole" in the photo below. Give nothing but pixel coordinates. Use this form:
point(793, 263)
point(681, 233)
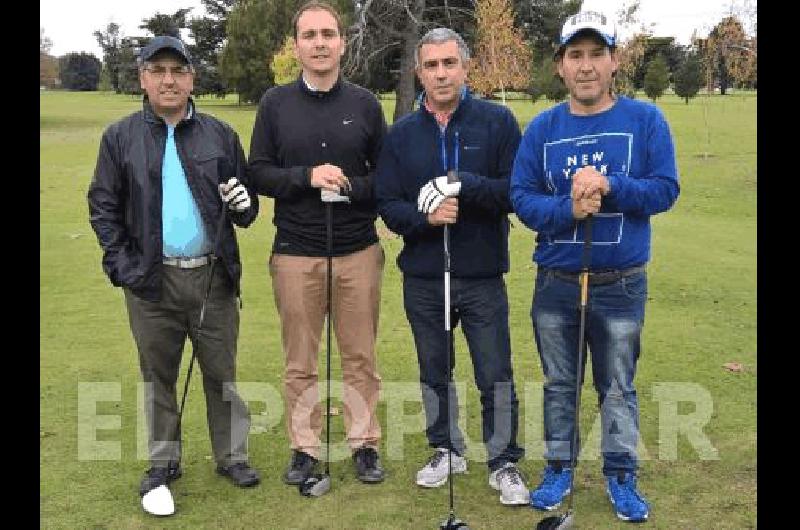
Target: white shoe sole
point(521, 498)
point(552, 507)
point(623, 517)
point(457, 470)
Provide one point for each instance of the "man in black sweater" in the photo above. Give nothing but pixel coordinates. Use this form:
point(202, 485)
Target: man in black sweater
point(316, 141)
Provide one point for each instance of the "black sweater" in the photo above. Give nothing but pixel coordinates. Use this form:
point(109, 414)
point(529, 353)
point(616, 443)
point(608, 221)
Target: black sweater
point(297, 129)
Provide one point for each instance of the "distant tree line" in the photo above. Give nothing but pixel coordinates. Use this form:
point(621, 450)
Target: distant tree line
point(245, 46)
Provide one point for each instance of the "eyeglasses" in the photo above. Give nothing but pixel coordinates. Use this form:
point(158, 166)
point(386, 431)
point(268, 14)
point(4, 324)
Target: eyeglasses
point(178, 72)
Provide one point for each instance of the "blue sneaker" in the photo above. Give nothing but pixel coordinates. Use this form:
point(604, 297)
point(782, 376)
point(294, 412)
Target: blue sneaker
point(627, 501)
point(555, 485)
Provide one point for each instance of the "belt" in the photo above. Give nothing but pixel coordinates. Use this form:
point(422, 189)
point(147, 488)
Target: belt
point(595, 278)
point(188, 263)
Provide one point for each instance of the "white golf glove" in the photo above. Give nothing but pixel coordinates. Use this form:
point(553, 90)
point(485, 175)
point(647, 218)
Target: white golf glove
point(434, 192)
point(235, 195)
point(332, 196)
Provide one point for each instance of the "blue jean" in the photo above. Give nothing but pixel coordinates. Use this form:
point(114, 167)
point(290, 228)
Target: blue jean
point(614, 320)
point(481, 305)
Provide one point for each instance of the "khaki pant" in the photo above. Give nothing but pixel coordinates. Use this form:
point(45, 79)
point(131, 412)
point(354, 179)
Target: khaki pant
point(299, 284)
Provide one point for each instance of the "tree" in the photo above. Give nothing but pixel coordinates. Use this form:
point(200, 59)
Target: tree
point(48, 65)
point(161, 24)
point(110, 41)
point(80, 71)
point(541, 21)
point(689, 77)
point(629, 56)
point(285, 66)
point(546, 82)
point(255, 29)
point(728, 56)
point(502, 58)
point(209, 36)
point(656, 80)
point(128, 68)
point(672, 53)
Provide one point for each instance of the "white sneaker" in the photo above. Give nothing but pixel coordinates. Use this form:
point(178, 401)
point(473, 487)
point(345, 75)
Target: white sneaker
point(508, 481)
point(434, 474)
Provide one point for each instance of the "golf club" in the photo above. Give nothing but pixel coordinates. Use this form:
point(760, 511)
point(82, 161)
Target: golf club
point(566, 520)
point(317, 484)
point(158, 501)
point(451, 523)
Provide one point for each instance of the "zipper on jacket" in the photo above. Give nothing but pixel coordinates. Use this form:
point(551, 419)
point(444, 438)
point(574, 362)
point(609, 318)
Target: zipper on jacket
point(443, 144)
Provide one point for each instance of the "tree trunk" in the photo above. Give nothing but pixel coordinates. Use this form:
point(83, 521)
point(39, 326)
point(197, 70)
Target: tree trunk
point(405, 85)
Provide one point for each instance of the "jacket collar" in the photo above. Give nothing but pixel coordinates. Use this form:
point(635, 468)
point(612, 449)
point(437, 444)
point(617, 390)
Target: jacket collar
point(466, 97)
point(151, 117)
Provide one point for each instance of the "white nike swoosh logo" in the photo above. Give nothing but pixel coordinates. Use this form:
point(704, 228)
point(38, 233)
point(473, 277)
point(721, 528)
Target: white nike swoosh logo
point(471, 147)
point(347, 122)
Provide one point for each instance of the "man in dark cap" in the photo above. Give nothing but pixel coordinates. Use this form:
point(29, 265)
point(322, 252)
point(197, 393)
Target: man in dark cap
point(168, 185)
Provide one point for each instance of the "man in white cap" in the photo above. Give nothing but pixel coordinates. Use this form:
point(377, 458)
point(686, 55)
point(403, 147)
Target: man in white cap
point(607, 160)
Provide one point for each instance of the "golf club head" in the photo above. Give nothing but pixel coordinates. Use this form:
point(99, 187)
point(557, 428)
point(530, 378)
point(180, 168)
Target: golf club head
point(556, 522)
point(453, 524)
point(315, 485)
point(158, 501)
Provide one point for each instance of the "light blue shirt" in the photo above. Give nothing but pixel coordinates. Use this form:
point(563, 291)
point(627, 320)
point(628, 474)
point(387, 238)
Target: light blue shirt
point(184, 234)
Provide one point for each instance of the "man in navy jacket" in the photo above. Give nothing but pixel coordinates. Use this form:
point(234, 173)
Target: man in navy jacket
point(453, 131)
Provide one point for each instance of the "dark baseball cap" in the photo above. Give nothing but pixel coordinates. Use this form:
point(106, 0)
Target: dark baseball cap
point(165, 42)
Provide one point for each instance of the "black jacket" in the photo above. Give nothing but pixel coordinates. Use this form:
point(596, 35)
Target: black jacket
point(297, 129)
point(125, 194)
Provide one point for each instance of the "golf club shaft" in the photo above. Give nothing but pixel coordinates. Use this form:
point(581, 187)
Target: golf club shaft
point(214, 256)
point(449, 349)
point(452, 176)
point(329, 286)
point(584, 296)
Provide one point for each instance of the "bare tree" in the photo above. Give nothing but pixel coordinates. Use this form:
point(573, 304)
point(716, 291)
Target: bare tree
point(502, 57)
point(386, 32)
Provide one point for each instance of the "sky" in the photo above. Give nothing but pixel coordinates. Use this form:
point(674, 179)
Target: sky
point(70, 25)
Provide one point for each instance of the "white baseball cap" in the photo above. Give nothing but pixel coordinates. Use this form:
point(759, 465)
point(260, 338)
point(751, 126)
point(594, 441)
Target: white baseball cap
point(593, 21)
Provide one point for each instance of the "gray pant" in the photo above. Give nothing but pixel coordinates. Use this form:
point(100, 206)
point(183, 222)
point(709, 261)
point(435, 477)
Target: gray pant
point(160, 330)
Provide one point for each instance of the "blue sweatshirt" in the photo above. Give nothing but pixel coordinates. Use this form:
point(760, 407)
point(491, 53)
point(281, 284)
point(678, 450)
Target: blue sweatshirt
point(480, 141)
point(631, 144)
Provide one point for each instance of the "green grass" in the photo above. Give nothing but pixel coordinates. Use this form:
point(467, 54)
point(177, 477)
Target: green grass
point(701, 314)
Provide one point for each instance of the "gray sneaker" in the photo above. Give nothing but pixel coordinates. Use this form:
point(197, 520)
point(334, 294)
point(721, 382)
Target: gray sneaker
point(434, 473)
point(509, 482)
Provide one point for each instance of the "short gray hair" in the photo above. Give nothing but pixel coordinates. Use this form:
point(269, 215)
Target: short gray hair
point(440, 36)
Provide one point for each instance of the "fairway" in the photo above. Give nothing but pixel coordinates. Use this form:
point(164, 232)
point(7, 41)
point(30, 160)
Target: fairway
point(698, 418)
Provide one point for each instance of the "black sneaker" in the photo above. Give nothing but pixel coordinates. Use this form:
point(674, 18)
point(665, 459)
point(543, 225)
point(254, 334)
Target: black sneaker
point(241, 474)
point(368, 465)
point(159, 476)
point(300, 468)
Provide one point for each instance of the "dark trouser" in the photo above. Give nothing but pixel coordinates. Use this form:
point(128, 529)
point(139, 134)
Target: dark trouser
point(160, 330)
point(481, 305)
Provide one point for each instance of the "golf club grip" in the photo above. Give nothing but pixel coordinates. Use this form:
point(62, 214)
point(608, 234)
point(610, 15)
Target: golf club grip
point(452, 176)
point(586, 259)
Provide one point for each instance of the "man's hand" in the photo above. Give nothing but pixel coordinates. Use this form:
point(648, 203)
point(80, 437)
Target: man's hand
point(434, 192)
point(235, 195)
point(585, 206)
point(446, 213)
point(331, 178)
point(587, 181)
